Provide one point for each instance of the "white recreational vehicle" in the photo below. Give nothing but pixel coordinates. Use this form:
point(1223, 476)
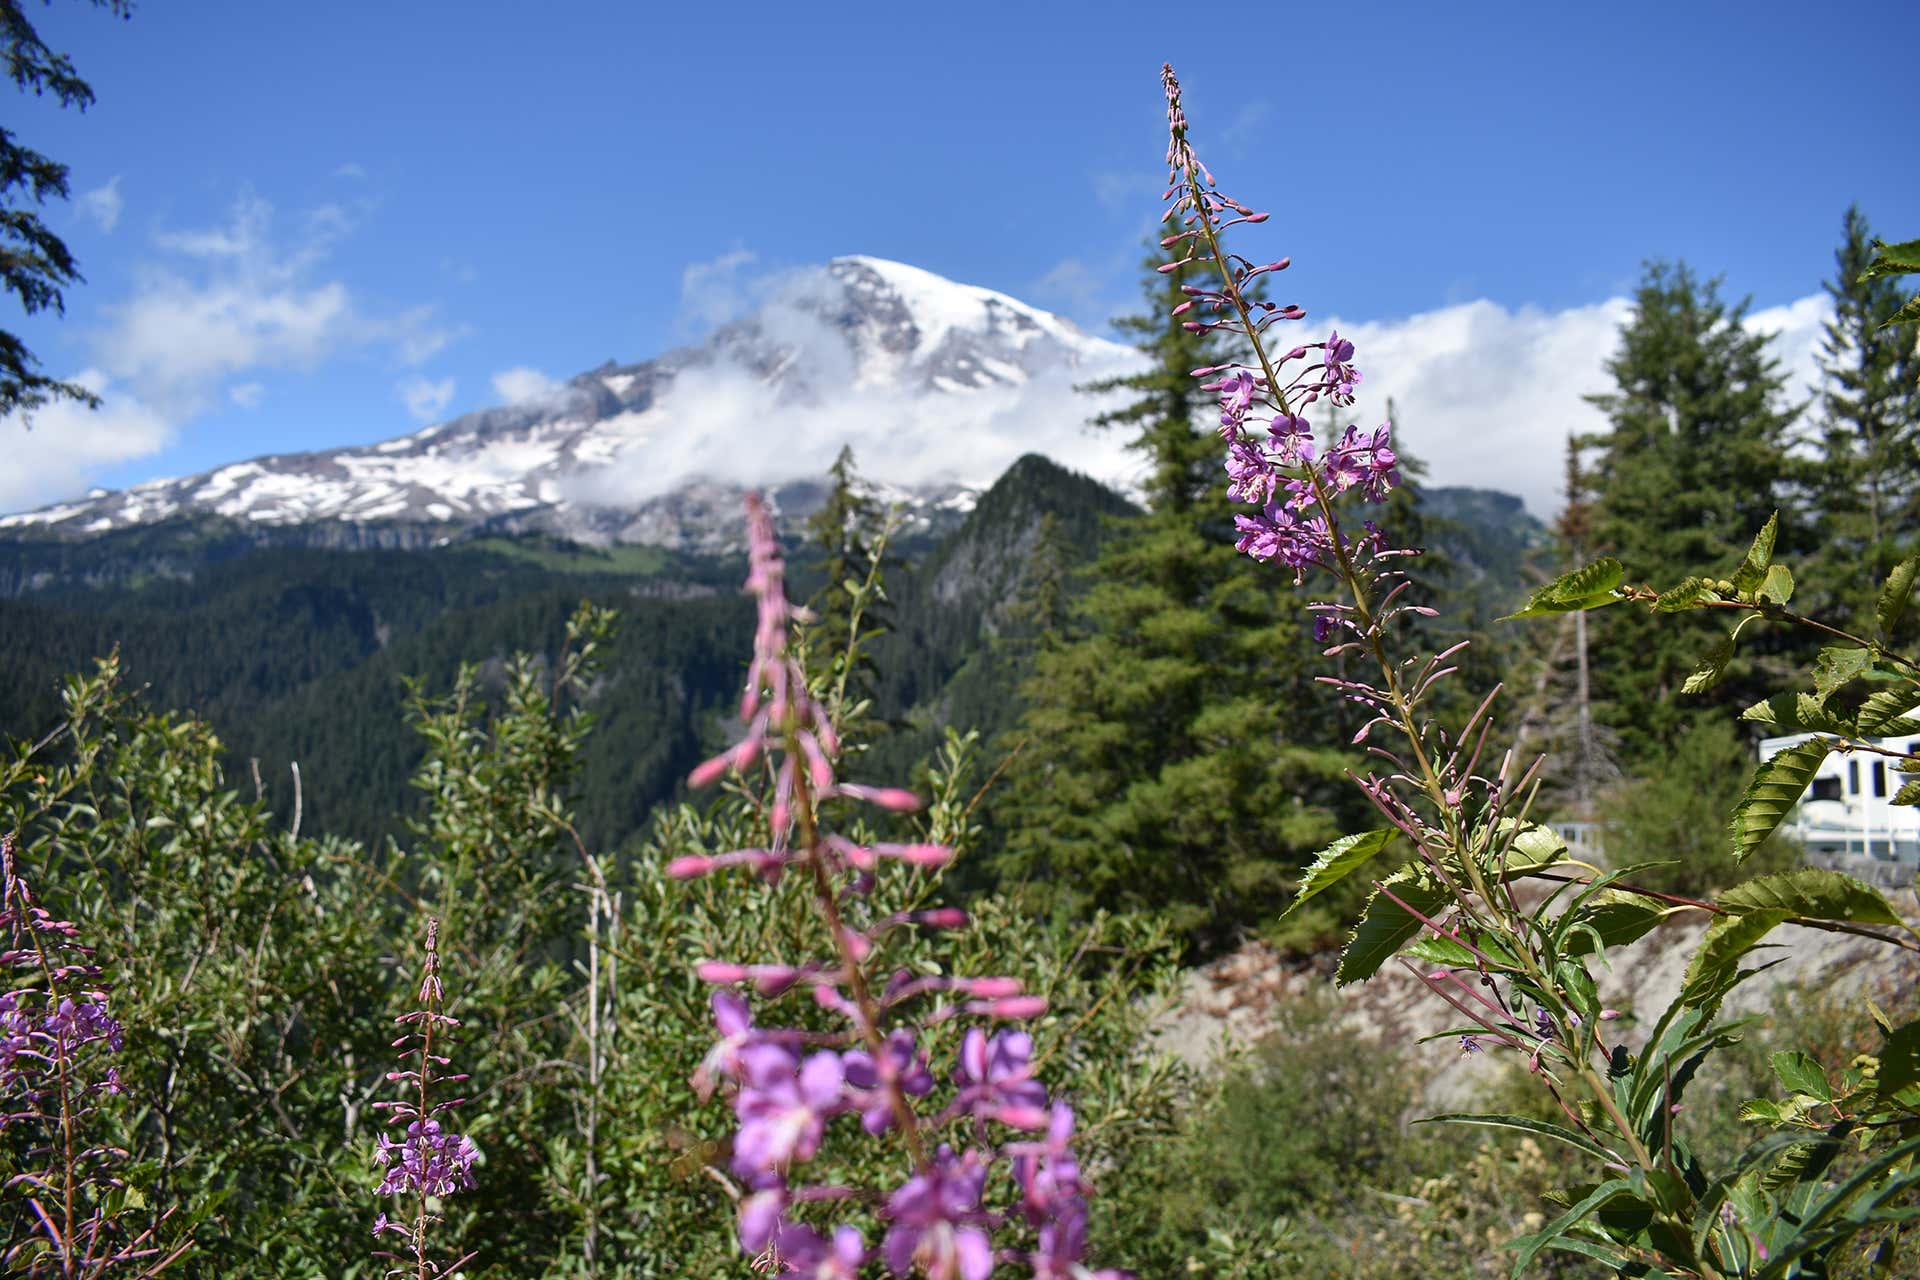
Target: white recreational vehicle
point(1848, 811)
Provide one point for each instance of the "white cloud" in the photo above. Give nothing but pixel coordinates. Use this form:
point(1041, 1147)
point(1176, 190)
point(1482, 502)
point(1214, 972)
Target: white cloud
point(229, 299)
point(523, 385)
point(247, 395)
point(1488, 396)
point(350, 170)
point(717, 291)
point(103, 204)
point(424, 399)
point(64, 444)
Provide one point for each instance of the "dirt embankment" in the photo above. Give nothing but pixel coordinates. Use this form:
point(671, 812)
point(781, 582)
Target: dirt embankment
point(1235, 1000)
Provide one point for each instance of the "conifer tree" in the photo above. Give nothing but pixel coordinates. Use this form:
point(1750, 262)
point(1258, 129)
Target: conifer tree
point(35, 264)
point(1172, 759)
point(1867, 483)
point(1694, 461)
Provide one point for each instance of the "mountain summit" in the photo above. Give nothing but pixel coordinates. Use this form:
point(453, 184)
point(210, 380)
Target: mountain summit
point(938, 386)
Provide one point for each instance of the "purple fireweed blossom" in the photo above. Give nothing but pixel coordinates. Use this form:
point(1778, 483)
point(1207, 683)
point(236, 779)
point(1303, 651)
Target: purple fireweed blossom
point(802, 1251)
point(783, 1105)
point(427, 1160)
point(901, 1064)
point(787, 1100)
point(56, 1035)
point(936, 1220)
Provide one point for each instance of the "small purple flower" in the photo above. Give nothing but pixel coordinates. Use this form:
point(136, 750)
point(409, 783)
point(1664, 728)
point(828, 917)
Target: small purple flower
point(902, 1064)
point(805, 1252)
point(783, 1106)
point(935, 1217)
point(996, 1079)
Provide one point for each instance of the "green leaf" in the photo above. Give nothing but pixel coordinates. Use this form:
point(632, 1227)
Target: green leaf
point(1687, 595)
point(1908, 314)
point(1909, 792)
point(1530, 1246)
point(1337, 861)
point(1776, 787)
point(1797, 713)
point(1883, 709)
point(1895, 594)
point(1711, 668)
point(1839, 665)
point(1385, 926)
point(1800, 1073)
point(1526, 1124)
point(1900, 1059)
point(1616, 916)
point(1901, 259)
point(1589, 587)
point(1534, 848)
point(1753, 570)
point(1778, 586)
point(1715, 964)
point(1812, 893)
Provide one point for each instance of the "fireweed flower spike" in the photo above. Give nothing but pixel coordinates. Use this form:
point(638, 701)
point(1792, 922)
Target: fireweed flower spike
point(1521, 977)
point(55, 1036)
point(958, 1194)
point(427, 1161)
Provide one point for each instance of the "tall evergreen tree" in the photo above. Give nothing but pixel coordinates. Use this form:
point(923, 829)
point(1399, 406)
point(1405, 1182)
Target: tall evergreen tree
point(1867, 485)
point(1694, 460)
point(1172, 759)
point(35, 264)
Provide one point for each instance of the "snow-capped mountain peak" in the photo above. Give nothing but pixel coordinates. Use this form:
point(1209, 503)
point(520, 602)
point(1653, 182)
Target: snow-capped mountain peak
point(937, 386)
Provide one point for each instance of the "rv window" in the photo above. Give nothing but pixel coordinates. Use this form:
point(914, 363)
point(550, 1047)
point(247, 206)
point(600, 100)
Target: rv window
point(1879, 777)
point(1853, 777)
point(1826, 789)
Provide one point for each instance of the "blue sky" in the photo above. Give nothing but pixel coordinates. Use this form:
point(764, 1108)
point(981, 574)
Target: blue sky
point(312, 225)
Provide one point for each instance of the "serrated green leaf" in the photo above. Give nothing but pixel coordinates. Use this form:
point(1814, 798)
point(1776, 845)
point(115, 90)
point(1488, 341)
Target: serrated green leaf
point(1800, 1073)
point(1778, 586)
point(1764, 1110)
point(1900, 259)
point(1385, 926)
point(1591, 586)
point(1812, 893)
point(1716, 962)
point(1776, 787)
point(1883, 708)
point(1908, 314)
point(1839, 665)
point(1753, 570)
point(1895, 593)
point(1711, 668)
point(1337, 861)
point(1798, 713)
point(1687, 595)
point(1909, 792)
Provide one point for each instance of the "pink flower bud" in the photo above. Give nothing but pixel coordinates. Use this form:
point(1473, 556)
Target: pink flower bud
point(692, 865)
point(719, 971)
point(942, 918)
point(1016, 1007)
point(987, 988)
